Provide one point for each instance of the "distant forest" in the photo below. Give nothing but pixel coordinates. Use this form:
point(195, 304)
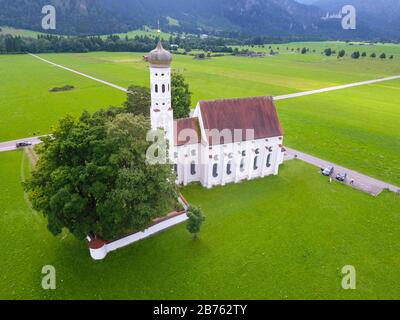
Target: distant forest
point(115, 43)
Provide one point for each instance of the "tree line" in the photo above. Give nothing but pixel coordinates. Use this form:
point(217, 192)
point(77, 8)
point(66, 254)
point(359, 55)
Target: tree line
point(51, 43)
point(46, 43)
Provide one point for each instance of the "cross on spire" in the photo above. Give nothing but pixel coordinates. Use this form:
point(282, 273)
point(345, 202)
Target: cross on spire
point(159, 30)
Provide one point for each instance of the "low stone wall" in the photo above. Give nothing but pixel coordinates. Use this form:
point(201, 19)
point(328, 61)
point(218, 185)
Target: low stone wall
point(99, 248)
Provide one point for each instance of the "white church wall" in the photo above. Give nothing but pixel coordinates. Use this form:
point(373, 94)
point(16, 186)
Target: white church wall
point(241, 157)
point(188, 155)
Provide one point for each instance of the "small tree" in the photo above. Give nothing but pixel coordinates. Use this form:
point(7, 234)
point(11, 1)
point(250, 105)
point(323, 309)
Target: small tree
point(355, 55)
point(364, 54)
point(341, 53)
point(383, 56)
point(328, 52)
point(391, 57)
point(181, 96)
point(138, 101)
point(196, 219)
point(304, 51)
point(373, 55)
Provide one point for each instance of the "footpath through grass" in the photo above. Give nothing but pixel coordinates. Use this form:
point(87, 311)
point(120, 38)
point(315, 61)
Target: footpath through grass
point(284, 237)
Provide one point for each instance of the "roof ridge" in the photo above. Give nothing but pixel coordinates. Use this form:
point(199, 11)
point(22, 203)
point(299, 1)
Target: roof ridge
point(240, 98)
point(187, 118)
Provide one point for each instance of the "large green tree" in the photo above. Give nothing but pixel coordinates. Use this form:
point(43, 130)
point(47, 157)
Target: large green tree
point(181, 96)
point(139, 98)
point(93, 177)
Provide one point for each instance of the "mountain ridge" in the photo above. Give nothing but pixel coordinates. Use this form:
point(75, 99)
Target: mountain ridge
point(230, 18)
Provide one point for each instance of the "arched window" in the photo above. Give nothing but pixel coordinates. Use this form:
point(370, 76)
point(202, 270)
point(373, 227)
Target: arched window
point(242, 165)
point(215, 170)
point(163, 88)
point(193, 168)
point(229, 168)
point(269, 160)
point(176, 168)
point(255, 166)
point(156, 88)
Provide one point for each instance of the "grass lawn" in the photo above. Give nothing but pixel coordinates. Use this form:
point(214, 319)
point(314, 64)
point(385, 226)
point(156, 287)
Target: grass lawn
point(28, 108)
point(284, 237)
point(319, 47)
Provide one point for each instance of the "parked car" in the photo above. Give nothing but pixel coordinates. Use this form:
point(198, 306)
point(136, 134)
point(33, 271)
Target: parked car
point(23, 144)
point(341, 177)
point(328, 171)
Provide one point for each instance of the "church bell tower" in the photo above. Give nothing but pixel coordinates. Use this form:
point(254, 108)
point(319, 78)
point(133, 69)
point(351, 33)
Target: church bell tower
point(162, 115)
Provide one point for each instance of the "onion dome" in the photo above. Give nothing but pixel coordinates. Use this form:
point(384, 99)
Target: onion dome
point(159, 56)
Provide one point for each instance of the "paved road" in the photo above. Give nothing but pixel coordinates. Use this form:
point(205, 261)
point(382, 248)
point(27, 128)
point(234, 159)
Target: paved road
point(361, 181)
point(345, 86)
point(11, 145)
point(81, 74)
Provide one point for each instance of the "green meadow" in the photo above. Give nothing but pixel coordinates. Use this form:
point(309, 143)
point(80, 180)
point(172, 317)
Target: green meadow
point(282, 237)
point(356, 127)
point(319, 47)
point(27, 106)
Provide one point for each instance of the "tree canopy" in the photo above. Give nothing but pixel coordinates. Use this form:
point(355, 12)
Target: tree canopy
point(138, 101)
point(196, 219)
point(181, 96)
point(92, 177)
point(341, 53)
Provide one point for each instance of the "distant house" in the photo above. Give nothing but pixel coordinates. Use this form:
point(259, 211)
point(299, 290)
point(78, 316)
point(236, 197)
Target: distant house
point(251, 54)
point(200, 56)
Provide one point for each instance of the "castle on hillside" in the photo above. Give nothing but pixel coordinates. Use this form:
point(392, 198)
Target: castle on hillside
point(224, 141)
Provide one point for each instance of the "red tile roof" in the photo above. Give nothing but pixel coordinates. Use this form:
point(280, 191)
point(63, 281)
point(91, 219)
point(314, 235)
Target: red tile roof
point(187, 131)
point(97, 243)
point(258, 113)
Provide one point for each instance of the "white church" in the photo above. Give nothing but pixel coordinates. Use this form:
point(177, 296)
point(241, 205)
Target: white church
point(224, 141)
